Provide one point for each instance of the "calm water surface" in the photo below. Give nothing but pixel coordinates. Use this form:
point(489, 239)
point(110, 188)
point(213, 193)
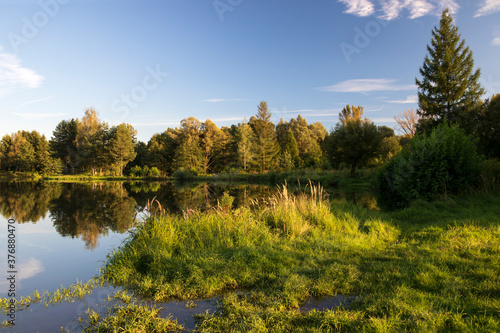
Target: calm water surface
point(64, 231)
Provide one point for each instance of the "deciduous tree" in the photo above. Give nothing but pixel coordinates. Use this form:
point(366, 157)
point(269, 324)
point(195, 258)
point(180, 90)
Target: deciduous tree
point(122, 145)
point(407, 122)
point(355, 140)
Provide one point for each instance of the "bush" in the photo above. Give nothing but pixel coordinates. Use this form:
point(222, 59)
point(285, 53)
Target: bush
point(154, 172)
point(444, 162)
point(490, 175)
point(182, 174)
point(136, 171)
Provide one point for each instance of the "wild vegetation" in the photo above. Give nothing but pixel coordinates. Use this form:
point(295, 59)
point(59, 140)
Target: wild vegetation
point(429, 266)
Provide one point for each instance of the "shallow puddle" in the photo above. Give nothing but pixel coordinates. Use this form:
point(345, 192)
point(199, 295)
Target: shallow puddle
point(184, 311)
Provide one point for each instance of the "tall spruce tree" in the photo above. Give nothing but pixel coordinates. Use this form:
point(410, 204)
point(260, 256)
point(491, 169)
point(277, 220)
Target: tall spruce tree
point(449, 87)
point(266, 147)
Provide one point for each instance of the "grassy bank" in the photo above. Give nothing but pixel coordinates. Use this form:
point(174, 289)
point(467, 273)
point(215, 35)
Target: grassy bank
point(331, 178)
point(430, 267)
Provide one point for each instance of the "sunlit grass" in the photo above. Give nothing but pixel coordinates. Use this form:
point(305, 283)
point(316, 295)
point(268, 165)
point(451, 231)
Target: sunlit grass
point(430, 267)
point(125, 314)
point(76, 291)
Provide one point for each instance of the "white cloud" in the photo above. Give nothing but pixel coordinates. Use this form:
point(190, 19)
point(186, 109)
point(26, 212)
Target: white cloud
point(25, 270)
point(34, 116)
point(409, 100)
point(367, 85)
point(30, 268)
point(488, 7)
point(14, 77)
point(359, 7)
point(391, 9)
point(452, 5)
point(418, 8)
point(214, 100)
point(496, 41)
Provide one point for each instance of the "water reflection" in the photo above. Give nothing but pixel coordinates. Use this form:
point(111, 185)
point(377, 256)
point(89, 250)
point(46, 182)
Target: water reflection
point(26, 201)
point(89, 211)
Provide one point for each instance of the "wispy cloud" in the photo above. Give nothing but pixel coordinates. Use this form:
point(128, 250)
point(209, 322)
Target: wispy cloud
point(228, 119)
point(383, 120)
point(14, 77)
point(24, 104)
point(409, 100)
point(218, 100)
point(278, 111)
point(26, 270)
point(488, 7)
point(367, 85)
point(441, 5)
point(496, 41)
point(359, 7)
point(167, 123)
point(380, 108)
point(418, 8)
point(35, 116)
point(392, 9)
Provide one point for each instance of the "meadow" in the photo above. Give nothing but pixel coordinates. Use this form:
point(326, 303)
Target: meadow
point(431, 267)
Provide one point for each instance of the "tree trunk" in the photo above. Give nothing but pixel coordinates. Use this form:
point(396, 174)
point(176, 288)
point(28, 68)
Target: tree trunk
point(353, 169)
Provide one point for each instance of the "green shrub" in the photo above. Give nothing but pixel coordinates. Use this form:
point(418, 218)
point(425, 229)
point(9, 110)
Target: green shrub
point(490, 175)
point(136, 171)
point(444, 162)
point(154, 172)
point(182, 174)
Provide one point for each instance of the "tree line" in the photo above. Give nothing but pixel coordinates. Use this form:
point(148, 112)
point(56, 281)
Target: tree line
point(448, 92)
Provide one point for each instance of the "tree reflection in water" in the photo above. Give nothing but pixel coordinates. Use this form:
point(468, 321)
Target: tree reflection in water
point(88, 211)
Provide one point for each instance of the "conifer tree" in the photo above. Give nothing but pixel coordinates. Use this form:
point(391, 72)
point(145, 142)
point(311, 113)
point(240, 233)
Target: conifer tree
point(63, 143)
point(449, 87)
point(266, 146)
point(291, 148)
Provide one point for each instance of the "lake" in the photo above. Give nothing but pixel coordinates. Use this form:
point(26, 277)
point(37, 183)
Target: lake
point(63, 232)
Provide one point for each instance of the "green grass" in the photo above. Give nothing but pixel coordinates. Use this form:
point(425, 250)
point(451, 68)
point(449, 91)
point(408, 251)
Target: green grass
point(76, 291)
point(433, 267)
point(126, 315)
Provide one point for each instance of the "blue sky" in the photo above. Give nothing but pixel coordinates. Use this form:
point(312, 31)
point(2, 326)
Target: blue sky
point(153, 63)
